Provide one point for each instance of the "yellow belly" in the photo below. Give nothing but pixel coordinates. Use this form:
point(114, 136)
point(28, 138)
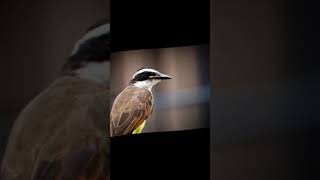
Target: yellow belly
point(139, 129)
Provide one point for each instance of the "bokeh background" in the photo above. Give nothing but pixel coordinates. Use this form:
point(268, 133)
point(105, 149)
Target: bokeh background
point(181, 103)
point(266, 88)
point(36, 37)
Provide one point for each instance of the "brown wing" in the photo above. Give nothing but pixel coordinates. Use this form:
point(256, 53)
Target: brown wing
point(84, 162)
point(130, 109)
point(61, 134)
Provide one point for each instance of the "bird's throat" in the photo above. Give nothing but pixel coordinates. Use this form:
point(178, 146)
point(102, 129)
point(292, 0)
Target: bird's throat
point(99, 72)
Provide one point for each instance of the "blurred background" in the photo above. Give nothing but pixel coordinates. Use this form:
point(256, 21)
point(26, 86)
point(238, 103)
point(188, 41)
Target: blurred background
point(36, 37)
point(181, 103)
point(266, 84)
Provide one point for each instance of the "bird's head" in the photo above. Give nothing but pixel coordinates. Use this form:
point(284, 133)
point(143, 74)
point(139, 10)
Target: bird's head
point(90, 57)
point(147, 78)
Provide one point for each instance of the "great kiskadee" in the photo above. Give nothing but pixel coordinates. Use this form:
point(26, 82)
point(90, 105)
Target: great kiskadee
point(63, 132)
point(134, 104)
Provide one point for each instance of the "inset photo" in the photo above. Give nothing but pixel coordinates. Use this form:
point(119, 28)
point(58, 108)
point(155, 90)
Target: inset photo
point(159, 90)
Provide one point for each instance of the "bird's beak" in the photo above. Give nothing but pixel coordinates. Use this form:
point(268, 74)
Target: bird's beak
point(163, 77)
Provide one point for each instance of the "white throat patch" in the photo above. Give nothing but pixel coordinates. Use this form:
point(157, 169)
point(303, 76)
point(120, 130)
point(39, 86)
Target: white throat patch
point(147, 84)
point(98, 72)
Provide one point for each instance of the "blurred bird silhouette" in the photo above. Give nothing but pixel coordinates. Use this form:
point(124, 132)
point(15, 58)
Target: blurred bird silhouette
point(63, 132)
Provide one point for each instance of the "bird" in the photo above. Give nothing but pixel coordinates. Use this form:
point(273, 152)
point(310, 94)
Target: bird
point(132, 106)
point(63, 132)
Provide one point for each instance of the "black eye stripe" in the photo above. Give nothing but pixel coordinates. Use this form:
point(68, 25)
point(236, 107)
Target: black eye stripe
point(143, 76)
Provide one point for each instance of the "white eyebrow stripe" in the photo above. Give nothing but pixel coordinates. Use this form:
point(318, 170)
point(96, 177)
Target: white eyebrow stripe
point(145, 70)
point(104, 29)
